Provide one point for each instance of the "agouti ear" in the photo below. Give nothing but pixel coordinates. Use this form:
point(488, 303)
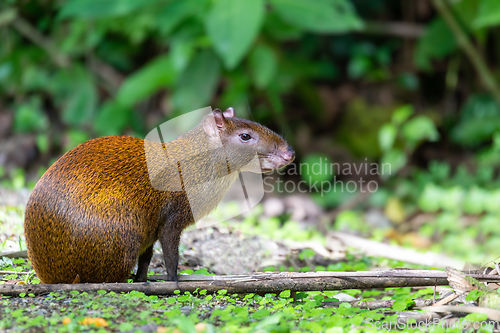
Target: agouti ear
point(229, 113)
point(214, 123)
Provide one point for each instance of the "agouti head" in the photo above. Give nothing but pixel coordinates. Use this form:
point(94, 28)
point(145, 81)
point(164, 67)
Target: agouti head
point(243, 140)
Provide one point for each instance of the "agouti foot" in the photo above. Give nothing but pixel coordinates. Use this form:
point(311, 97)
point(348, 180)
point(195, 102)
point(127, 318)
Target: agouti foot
point(173, 278)
point(140, 278)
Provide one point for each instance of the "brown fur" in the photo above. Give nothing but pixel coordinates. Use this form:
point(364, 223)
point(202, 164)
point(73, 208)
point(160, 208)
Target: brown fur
point(95, 212)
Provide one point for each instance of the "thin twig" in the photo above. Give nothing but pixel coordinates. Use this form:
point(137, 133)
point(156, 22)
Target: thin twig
point(397, 29)
point(102, 69)
point(28, 31)
point(485, 74)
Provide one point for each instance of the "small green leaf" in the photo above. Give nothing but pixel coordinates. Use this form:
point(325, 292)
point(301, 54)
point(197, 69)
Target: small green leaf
point(418, 129)
point(202, 271)
point(402, 114)
point(401, 305)
point(476, 318)
point(473, 295)
point(307, 254)
point(233, 25)
point(126, 327)
point(319, 15)
point(259, 314)
point(387, 136)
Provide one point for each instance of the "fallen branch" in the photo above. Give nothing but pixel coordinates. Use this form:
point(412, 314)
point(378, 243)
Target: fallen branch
point(491, 313)
point(14, 272)
point(261, 282)
point(377, 249)
point(15, 254)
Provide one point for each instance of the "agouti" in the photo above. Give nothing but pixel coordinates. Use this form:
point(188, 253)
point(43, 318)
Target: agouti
point(95, 212)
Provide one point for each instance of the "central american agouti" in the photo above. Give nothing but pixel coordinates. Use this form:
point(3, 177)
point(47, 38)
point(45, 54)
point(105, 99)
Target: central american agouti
point(95, 212)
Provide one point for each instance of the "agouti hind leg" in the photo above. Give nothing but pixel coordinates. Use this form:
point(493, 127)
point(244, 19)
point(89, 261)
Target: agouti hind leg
point(143, 264)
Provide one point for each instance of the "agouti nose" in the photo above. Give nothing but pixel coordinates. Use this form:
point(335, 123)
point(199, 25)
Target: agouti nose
point(288, 155)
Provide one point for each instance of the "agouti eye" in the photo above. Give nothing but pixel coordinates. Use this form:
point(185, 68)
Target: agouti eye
point(245, 137)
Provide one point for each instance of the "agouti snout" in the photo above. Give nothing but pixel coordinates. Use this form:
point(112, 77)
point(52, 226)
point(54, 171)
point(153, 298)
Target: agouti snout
point(98, 209)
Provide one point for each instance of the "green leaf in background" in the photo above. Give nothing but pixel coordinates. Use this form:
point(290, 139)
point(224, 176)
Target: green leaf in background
point(263, 64)
point(111, 119)
point(156, 74)
point(474, 201)
point(174, 12)
point(89, 9)
point(233, 25)
point(80, 105)
point(359, 66)
point(489, 14)
point(316, 168)
point(349, 220)
point(479, 120)
point(181, 52)
point(74, 138)
point(319, 16)
point(280, 30)
point(235, 93)
point(401, 114)
point(197, 84)
point(418, 129)
point(75, 92)
point(436, 43)
point(29, 117)
point(387, 136)
point(492, 202)
point(430, 199)
point(452, 198)
point(396, 159)
point(307, 254)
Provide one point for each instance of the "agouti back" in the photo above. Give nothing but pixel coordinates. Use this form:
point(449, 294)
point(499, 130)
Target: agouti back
point(95, 212)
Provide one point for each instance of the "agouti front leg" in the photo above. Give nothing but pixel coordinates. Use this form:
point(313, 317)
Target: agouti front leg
point(143, 264)
point(169, 240)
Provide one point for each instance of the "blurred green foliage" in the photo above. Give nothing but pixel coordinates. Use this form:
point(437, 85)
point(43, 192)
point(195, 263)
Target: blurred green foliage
point(75, 69)
point(95, 62)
